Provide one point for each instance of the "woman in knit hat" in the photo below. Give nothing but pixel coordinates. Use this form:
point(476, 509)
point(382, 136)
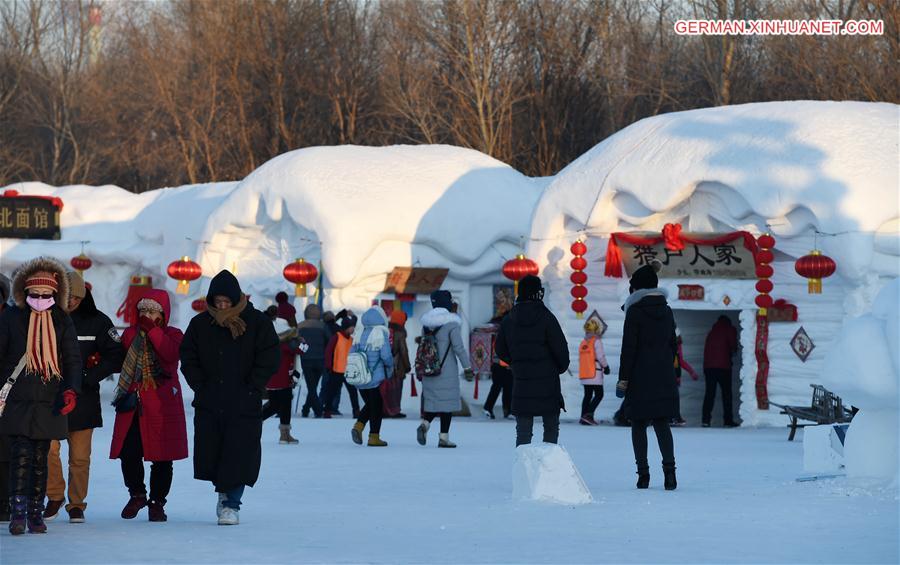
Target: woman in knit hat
point(39, 350)
point(392, 388)
point(150, 422)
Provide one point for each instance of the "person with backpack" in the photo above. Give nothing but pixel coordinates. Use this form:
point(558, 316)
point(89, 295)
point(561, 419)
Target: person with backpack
point(647, 372)
point(592, 366)
point(368, 364)
point(532, 342)
point(438, 369)
point(336, 353)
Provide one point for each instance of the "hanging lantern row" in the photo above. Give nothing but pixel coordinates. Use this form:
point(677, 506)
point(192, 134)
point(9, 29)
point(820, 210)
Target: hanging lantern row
point(815, 267)
point(81, 263)
point(300, 273)
point(764, 272)
point(579, 278)
point(184, 271)
point(519, 268)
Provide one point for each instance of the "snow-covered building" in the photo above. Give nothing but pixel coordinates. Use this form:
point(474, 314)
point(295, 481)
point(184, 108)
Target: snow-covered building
point(790, 168)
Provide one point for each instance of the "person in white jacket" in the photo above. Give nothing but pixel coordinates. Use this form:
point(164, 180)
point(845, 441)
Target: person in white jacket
point(592, 366)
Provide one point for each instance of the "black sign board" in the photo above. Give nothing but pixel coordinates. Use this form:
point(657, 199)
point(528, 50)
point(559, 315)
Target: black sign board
point(29, 217)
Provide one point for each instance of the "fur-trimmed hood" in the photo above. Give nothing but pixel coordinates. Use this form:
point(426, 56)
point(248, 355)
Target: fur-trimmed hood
point(438, 317)
point(27, 269)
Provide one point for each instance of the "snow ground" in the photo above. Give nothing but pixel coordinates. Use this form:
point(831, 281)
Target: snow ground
point(328, 500)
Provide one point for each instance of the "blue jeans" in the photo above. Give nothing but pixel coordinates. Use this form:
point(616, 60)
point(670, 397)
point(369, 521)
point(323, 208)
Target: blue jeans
point(233, 497)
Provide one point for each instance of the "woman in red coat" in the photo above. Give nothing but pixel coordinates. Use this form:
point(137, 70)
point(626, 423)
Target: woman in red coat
point(149, 409)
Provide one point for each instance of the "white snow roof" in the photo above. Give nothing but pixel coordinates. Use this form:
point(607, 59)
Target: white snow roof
point(831, 165)
point(391, 205)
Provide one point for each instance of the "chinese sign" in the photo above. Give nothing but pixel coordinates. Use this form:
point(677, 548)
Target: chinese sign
point(415, 280)
point(729, 260)
point(28, 217)
point(691, 292)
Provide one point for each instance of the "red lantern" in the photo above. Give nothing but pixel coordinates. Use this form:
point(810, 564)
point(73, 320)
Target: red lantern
point(300, 273)
point(764, 270)
point(199, 305)
point(184, 271)
point(579, 292)
point(764, 286)
point(81, 263)
point(579, 278)
point(815, 267)
point(519, 268)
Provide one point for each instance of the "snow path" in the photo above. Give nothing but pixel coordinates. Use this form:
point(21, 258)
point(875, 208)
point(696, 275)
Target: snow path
point(328, 500)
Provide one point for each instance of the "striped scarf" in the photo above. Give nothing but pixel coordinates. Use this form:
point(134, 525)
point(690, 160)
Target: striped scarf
point(41, 355)
point(141, 366)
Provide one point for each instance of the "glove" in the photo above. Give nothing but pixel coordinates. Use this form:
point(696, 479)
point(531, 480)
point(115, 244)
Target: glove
point(93, 360)
point(69, 401)
point(621, 387)
point(606, 370)
point(295, 376)
point(146, 324)
point(469, 375)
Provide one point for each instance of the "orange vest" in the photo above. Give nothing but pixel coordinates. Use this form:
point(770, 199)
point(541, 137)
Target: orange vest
point(587, 359)
point(341, 352)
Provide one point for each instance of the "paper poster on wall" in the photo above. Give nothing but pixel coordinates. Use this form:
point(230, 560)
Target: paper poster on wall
point(596, 316)
point(504, 298)
point(802, 344)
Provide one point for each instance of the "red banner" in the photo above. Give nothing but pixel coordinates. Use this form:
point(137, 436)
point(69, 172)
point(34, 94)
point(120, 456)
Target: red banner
point(762, 362)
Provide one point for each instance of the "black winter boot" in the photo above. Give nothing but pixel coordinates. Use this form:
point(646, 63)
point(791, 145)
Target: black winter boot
point(18, 507)
point(669, 472)
point(643, 474)
point(36, 523)
point(4, 510)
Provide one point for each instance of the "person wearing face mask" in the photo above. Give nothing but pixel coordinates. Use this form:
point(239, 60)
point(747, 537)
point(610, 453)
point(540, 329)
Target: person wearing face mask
point(101, 355)
point(41, 366)
point(4, 446)
point(150, 422)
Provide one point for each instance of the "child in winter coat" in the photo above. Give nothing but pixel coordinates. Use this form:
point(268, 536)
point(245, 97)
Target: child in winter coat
point(336, 353)
point(592, 366)
point(280, 386)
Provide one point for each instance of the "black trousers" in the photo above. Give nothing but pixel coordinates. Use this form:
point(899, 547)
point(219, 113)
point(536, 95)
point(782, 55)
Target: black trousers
point(501, 382)
point(28, 468)
point(312, 374)
point(446, 418)
point(663, 437)
point(593, 394)
point(279, 403)
point(373, 410)
point(4, 485)
point(721, 377)
point(132, 459)
point(334, 389)
point(525, 427)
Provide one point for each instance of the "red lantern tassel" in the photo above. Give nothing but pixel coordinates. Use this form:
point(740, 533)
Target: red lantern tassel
point(476, 386)
point(613, 259)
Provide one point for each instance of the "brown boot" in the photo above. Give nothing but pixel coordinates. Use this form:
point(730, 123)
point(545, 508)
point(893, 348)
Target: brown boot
point(156, 511)
point(356, 432)
point(52, 509)
point(135, 503)
point(286, 435)
point(375, 441)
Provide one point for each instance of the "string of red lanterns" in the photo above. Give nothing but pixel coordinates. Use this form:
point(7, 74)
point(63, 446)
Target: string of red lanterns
point(579, 278)
point(764, 272)
point(518, 268)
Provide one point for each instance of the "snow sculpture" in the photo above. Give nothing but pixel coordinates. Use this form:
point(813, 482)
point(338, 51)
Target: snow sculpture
point(544, 472)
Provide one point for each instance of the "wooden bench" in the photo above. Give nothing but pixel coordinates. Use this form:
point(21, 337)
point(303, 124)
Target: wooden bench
point(825, 408)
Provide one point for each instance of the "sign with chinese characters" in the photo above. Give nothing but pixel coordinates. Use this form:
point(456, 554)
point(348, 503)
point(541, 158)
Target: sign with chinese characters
point(729, 260)
point(28, 217)
point(802, 344)
point(691, 292)
point(415, 280)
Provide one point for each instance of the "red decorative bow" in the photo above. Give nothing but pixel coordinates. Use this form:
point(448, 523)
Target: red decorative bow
point(672, 236)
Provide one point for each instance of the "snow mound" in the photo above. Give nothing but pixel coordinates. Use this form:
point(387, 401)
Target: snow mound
point(794, 165)
point(545, 473)
point(378, 207)
point(823, 449)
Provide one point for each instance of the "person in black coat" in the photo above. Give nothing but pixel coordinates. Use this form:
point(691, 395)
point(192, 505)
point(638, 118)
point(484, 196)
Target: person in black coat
point(647, 371)
point(101, 356)
point(316, 335)
point(4, 445)
point(45, 388)
point(228, 354)
point(532, 343)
